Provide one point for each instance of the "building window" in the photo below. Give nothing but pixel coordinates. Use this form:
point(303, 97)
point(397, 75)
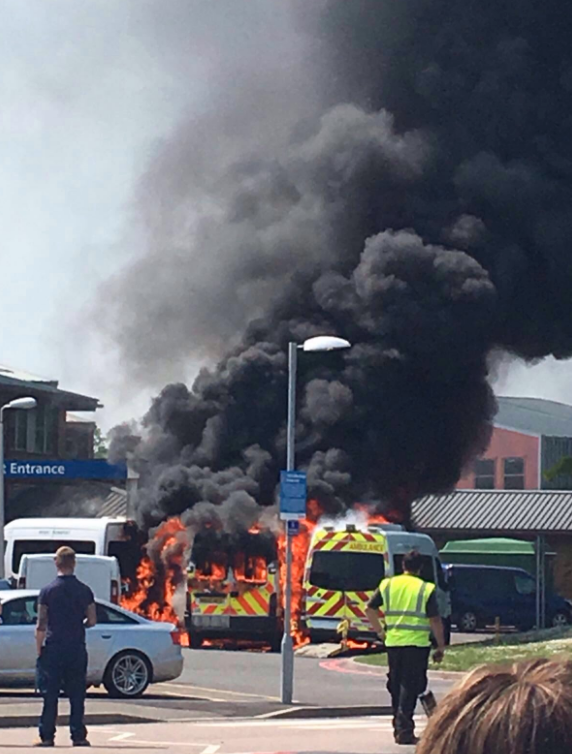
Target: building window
point(485, 474)
point(514, 473)
point(21, 430)
point(46, 429)
point(36, 431)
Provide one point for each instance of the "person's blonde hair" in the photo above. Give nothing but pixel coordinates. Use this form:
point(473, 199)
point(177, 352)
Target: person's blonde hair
point(65, 558)
point(524, 708)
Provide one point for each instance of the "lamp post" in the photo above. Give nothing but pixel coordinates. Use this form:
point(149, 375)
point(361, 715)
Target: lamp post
point(22, 403)
point(319, 343)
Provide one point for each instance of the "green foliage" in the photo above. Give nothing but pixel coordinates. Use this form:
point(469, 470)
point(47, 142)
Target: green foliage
point(551, 642)
point(564, 466)
point(99, 444)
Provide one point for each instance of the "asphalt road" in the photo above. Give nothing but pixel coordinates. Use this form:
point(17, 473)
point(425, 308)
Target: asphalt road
point(222, 684)
point(316, 682)
point(336, 736)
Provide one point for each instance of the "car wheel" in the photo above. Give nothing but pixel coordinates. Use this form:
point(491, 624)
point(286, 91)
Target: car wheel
point(195, 640)
point(560, 619)
point(468, 622)
point(127, 675)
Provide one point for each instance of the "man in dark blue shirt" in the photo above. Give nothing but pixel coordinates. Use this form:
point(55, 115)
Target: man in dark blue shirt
point(66, 608)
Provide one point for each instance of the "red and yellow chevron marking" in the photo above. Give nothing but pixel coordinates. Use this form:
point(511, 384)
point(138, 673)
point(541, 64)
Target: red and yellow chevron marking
point(338, 541)
point(253, 601)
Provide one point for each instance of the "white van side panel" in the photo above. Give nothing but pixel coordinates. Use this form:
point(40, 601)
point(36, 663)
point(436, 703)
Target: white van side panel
point(57, 530)
point(96, 571)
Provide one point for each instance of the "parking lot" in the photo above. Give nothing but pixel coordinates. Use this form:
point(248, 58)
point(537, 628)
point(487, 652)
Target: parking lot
point(217, 684)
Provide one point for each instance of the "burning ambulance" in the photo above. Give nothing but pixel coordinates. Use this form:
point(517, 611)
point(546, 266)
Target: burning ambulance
point(233, 589)
point(345, 565)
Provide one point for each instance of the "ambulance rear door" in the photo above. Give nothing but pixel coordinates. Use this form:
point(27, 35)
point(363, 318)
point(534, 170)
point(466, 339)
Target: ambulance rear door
point(343, 571)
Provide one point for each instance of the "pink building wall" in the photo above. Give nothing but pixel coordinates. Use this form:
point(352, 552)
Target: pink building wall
point(507, 443)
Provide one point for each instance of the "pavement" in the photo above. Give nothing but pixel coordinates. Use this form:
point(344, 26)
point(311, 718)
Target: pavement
point(358, 735)
point(219, 685)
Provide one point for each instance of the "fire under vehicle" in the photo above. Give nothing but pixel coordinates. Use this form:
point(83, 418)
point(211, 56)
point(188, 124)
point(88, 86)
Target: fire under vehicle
point(345, 566)
point(233, 589)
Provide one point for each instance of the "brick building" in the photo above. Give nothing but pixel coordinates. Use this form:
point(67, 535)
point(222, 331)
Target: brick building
point(48, 450)
point(530, 436)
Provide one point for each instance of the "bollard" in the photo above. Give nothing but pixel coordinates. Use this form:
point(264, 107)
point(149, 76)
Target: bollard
point(497, 630)
point(343, 629)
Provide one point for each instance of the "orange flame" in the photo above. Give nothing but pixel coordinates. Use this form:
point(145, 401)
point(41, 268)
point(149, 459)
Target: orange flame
point(300, 546)
point(157, 579)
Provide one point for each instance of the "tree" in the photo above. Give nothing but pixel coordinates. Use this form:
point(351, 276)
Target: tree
point(564, 467)
point(99, 444)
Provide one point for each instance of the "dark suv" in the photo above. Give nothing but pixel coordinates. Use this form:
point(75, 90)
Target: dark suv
point(480, 594)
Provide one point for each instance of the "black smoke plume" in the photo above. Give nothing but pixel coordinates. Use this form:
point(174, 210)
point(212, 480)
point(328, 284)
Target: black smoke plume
point(403, 181)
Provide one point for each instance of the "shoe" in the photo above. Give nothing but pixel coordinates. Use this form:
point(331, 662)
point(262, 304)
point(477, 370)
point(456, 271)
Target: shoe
point(39, 742)
point(83, 742)
point(406, 739)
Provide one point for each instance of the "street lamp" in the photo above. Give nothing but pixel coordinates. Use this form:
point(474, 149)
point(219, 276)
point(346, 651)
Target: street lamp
point(21, 403)
point(318, 343)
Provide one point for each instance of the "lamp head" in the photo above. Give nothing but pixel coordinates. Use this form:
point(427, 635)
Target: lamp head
point(325, 343)
point(22, 403)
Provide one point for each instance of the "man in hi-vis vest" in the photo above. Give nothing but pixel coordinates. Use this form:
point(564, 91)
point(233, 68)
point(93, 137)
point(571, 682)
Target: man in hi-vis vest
point(409, 605)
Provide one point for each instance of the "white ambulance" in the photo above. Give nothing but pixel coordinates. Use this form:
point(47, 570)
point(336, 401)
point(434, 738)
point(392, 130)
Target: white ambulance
point(344, 567)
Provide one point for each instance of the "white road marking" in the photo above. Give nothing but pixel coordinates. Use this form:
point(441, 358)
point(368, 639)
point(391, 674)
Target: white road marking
point(211, 749)
point(218, 691)
point(122, 737)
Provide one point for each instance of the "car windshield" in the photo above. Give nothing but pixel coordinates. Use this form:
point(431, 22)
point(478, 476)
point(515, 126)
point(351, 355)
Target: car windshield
point(427, 570)
point(37, 546)
point(347, 571)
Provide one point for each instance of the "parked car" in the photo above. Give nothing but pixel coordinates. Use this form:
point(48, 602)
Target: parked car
point(99, 572)
point(480, 594)
point(126, 652)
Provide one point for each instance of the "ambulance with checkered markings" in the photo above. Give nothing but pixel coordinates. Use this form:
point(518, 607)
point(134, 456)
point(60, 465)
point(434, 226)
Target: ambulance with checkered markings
point(345, 566)
point(233, 590)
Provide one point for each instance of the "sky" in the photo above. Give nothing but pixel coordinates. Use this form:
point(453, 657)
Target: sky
point(88, 89)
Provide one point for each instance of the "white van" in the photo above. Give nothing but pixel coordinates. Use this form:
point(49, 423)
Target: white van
point(100, 572)
point(87, 536)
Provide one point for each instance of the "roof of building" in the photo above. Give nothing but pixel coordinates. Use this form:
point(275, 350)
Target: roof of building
point(35, 385)
point(495, 511)
point(114, 505)
point(534, 416)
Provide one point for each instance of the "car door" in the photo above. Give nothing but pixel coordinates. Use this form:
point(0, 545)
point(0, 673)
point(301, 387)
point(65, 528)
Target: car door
point(99, 642)
point(17, 641)
point(524, 600)
point(106, 638)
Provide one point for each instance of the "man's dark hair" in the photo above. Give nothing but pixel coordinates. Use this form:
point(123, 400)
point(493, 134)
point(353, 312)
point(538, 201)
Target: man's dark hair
point(412, 561)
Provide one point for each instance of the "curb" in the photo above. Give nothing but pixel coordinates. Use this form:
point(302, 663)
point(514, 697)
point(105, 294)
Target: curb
point(96, 718)
point(443, 675)
point(291, 713)
point(302, 713)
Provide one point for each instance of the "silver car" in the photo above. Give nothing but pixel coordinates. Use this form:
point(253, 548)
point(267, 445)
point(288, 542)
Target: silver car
point(126, 652)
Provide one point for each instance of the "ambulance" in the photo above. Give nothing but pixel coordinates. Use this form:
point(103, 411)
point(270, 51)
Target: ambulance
point(344, 567)
point(233, 593)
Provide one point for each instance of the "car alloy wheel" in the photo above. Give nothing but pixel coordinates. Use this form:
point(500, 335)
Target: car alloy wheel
point(560, 619)
point(468, 622)
point(128, 675)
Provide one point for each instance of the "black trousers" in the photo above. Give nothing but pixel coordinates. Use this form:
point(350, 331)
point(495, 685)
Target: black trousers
point(62, 668)
point(406, 681)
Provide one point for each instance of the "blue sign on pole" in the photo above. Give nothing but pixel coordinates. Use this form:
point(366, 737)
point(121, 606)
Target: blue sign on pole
point(293, 527)
point(293, 493)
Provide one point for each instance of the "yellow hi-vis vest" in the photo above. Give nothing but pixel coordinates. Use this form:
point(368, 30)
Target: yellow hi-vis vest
point(405, 600)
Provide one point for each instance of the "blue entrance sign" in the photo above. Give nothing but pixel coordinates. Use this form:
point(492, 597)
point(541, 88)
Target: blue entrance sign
point(94, 468)
point(293, 527)
point(292, 495)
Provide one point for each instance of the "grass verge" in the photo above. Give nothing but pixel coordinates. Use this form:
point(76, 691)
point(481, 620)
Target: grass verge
point(511, 647)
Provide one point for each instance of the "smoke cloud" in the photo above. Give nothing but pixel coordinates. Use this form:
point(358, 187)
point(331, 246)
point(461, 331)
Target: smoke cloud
point(395, 174)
